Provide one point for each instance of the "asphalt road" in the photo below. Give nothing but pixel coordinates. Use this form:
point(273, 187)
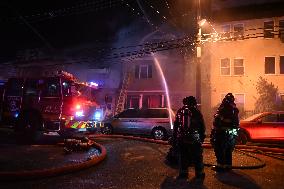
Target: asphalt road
point(135, 165)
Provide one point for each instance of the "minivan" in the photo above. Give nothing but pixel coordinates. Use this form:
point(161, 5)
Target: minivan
point(154, 122)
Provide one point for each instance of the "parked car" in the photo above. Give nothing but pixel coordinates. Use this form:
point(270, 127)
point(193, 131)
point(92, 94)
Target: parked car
point(153, 122)
point(265, 126)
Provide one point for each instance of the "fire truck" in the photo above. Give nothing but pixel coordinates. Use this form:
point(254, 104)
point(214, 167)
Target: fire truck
point(57, 103)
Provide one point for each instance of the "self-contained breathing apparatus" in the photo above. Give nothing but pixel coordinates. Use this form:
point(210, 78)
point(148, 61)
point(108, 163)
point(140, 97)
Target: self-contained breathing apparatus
point(225, 131)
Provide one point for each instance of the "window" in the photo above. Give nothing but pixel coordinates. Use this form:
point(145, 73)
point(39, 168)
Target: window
point(152, 101)
point(130, 113)
point(66, 88)
point(281, 64)
point(269, 65)
point(133, 101)
point(51, 87)
point(282, 97)
point(239, 31)
point(226, 29)
point(270, 118)
point(281, 118)
point(14, 87)
point(268, 29)
point(239, 99)
point(281, 30)
point(31, 87)
point(225, 66)
point(143, 71)
point(238, 66)
point(154, 113)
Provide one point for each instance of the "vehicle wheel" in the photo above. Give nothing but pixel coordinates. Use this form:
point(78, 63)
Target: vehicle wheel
point(242, 138)
point(27, 128)
point(107, 129)
point(159, 133)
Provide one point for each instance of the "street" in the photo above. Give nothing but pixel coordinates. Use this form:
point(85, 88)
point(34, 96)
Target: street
point(135, 164)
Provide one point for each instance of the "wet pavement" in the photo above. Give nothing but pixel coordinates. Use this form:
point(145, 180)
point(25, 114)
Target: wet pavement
point(134, 164)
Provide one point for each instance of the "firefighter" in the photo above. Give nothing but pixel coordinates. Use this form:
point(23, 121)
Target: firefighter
point(188, 136)
point(224, 133)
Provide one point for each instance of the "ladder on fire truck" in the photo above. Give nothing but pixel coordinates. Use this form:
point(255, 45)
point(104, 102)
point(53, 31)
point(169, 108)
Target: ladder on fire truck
point(123, 93)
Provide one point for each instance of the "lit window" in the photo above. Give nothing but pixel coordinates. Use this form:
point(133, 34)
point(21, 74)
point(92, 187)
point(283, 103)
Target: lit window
point(281, 64)
point(239, 31)
point(133, 101)
point(225, 66)
point(269, 65)
point(239, 99)
point(152, 101)
point(281, 30)
point(143, 71)
point(268, 29)
point(238, 66)
point(226, 29)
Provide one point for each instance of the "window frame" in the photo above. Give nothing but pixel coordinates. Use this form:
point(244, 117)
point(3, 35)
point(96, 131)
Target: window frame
point(268, 33)
point(274, 65)
point(230, 72)
point(239, 37)
point(226, 34)
point(233, 66)
point(280, 64)
point(149, 71)
point(281, 30)
point(222, 96)
point(244, 98)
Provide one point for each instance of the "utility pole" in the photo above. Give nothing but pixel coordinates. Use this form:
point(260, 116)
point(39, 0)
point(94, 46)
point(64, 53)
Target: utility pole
point(198, 54)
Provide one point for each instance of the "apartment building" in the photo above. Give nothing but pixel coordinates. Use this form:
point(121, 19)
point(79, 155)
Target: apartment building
point(247, 43)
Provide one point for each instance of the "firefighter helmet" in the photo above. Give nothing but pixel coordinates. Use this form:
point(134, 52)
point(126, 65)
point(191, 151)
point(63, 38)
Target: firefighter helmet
point(190, 101)
point(229, 98)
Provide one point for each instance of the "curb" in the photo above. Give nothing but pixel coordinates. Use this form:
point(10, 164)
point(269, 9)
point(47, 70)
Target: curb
point(36, 174)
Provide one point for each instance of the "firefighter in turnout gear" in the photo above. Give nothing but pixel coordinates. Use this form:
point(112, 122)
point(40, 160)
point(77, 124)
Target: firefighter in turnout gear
point(188, 136)
point(224, 133)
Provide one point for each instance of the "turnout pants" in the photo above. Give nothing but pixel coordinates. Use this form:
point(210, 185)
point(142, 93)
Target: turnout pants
point(191, 154)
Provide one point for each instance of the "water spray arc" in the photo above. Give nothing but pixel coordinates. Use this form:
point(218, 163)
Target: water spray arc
point(158, 66)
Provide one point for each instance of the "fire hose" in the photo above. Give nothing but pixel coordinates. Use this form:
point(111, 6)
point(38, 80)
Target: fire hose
point(69, 168)
point(239, 149)
point(73, 145)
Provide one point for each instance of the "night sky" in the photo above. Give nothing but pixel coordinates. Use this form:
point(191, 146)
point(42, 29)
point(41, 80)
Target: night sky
point(60, 24)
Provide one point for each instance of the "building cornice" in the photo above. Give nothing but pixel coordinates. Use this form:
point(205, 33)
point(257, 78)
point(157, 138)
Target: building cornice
point(267, 10)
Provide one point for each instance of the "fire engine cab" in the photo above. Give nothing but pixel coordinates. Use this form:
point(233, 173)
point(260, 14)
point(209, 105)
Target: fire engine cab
point(52, 103)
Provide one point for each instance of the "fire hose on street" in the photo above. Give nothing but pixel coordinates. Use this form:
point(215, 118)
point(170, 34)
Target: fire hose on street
point(69, 168)
point(74, 145)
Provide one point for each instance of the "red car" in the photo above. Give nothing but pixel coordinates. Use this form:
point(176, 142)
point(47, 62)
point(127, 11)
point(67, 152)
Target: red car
point(265, 126)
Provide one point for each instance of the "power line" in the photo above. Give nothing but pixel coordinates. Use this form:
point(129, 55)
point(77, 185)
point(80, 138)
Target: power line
point(82, 8)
